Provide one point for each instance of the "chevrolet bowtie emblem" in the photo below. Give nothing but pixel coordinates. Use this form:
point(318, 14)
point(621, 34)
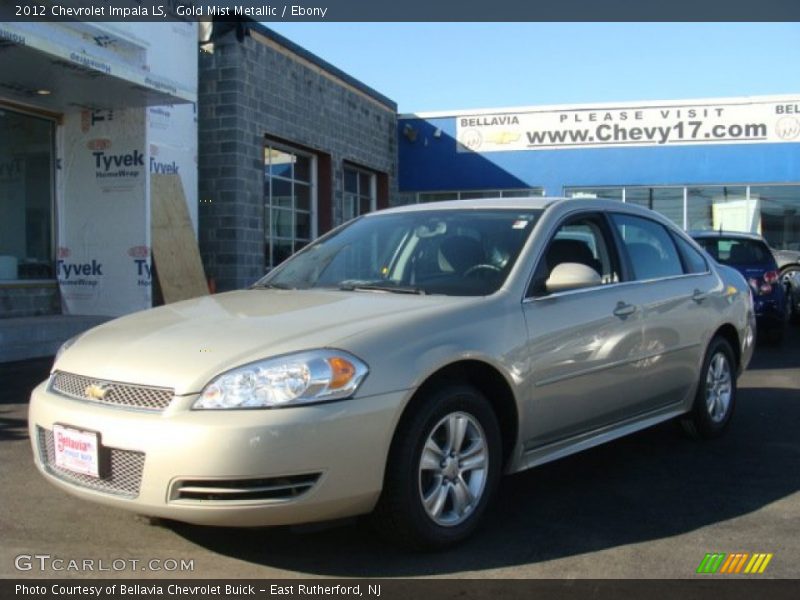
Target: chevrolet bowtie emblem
point(97, 391)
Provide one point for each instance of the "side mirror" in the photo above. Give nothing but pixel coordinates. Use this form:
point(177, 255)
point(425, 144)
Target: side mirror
point(571, 276)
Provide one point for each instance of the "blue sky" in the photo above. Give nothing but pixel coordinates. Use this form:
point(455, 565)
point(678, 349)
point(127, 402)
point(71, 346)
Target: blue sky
point(445, 66)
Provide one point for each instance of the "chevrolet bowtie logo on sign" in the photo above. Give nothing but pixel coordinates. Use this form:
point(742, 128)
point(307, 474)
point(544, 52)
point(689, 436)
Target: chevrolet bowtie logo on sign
point(97, 391)
point(504, 137)
point(738, 562)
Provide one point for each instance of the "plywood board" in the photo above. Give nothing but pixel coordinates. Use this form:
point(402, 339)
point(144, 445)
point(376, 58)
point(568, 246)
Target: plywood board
point(175, 250)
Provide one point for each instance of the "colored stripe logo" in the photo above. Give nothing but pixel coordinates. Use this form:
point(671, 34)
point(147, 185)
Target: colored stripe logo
point(737, 562)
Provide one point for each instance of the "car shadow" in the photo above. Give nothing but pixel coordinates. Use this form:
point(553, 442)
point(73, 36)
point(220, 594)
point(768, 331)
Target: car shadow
point(12, 428)
point(786, 355)
point(17, 379)
point(652, 485)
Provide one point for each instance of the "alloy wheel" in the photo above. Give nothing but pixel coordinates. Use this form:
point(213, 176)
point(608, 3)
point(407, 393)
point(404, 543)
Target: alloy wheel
point(718, 387)
point(453, 469)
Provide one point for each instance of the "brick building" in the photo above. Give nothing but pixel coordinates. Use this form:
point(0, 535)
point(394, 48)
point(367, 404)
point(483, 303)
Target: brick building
point(290, 146)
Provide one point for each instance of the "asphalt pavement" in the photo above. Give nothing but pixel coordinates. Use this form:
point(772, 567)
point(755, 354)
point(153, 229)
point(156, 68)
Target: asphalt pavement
point(647, 506)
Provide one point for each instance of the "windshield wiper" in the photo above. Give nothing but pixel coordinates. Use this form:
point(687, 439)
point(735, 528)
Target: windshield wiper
point(273, 286)
point(377, 287)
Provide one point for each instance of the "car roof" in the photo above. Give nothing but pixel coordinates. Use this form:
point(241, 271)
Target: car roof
point(537, 202)
point(737, 235)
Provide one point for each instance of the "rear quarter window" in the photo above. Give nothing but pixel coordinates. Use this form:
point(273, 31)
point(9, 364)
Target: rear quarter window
point(693, 260)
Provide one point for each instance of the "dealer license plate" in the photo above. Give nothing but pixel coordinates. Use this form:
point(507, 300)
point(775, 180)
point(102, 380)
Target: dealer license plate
point(77, 450)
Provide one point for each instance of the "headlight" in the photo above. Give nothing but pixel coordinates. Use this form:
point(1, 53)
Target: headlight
point(303, 378)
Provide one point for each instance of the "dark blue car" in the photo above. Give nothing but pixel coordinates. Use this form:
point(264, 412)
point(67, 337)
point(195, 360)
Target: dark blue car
point(750, 255)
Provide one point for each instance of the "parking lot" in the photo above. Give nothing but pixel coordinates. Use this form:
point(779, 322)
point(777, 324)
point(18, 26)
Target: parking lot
point(648, 506)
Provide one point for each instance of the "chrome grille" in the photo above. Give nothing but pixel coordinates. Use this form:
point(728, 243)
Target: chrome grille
point(117, 394)
point(124, 473)
point(217, 490)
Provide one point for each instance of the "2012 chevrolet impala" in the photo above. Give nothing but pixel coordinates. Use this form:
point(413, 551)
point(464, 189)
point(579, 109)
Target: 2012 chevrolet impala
point(400, 365)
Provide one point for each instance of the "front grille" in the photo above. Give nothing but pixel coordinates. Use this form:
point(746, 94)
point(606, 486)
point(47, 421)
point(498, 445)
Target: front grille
point(111, 392)
point(123, 476)
point(273, 488)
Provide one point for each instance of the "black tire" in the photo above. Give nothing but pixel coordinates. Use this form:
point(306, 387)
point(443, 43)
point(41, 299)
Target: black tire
point(790, 316)
point(707, 419)
point(790, 277)
point(401, 514)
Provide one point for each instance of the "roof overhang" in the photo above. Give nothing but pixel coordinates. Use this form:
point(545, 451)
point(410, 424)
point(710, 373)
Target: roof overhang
point(46, 72)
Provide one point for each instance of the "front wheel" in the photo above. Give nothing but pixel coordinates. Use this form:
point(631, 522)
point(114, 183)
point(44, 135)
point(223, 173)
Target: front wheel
point(716, 393)
point(443, 469)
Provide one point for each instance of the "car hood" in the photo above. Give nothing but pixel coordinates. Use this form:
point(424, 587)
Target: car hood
point(184, 345)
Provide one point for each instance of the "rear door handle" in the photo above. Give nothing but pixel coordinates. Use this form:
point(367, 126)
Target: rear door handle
point(624, 310)
point(699, 296)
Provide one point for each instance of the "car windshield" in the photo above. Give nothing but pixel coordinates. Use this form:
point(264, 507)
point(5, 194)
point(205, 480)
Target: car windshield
point(451, 252)
point(737, 251)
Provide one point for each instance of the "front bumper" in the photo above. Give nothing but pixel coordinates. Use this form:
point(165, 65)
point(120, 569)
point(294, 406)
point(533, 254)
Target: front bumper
point(337, 450)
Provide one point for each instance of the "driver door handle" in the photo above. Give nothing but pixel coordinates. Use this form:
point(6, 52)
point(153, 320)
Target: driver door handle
point(624, 310)
point(699, 296)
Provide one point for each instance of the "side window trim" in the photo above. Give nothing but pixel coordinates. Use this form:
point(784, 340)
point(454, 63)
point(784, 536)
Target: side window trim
point(627, 274)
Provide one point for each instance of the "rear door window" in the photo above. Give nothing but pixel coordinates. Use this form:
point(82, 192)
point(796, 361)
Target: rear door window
point(650, 247)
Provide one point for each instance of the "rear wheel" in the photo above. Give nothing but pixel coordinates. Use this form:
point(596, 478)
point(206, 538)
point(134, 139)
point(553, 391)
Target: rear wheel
point(443, 470)
point(790, 277)
point(715, 400)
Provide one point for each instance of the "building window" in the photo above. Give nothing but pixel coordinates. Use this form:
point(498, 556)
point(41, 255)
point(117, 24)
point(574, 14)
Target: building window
point(718, 207)
point(26, 196)
point(360, 192)
point(533, 192)
point(436, 196)
point(595, 193)
point(779, 206)
point(667, 200)
point(772, 211)
point(289, 201)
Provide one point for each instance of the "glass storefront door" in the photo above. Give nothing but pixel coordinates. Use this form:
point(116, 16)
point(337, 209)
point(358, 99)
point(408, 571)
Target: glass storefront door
point(26, 196)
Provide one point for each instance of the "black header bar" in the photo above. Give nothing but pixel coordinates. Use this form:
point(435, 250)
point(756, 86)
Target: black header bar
point(401, 11)
point(698, 588)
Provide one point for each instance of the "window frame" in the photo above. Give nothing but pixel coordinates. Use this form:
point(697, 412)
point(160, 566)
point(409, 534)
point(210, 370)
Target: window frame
point(269, 206)
point(373, 190)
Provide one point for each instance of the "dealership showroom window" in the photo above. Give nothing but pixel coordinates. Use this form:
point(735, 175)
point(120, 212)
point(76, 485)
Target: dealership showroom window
point(770, 210)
